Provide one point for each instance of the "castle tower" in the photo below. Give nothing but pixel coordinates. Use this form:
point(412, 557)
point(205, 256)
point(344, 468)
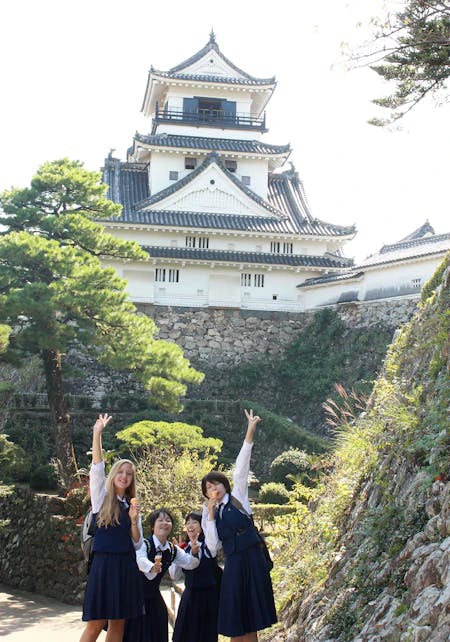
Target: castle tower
point(225, 220)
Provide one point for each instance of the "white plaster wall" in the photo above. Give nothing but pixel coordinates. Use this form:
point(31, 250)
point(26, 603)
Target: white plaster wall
point(163, 162)
point(217, 241)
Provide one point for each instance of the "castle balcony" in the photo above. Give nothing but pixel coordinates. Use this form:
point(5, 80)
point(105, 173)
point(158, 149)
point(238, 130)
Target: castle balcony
point(209, 118)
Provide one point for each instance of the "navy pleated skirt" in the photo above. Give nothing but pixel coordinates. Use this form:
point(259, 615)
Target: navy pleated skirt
point(114, 588)
point(246, 601)
point(197, 616)
point(153, 626)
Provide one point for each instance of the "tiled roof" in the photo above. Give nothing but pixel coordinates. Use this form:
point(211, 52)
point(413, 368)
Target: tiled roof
point(208, 220)
point(327, 261)
point(216, 144)
point(128, 182)
point(287, 194)
point(213, 157)
point(421, 231)
point(331, 278)
point(226, 80)
point(409, 249)
point(288, 214)
point(213, 46)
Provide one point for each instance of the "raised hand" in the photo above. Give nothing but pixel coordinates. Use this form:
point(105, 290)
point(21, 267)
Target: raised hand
point(253, 420)
point(102, 421)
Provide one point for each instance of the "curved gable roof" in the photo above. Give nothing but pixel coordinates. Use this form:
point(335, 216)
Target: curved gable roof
point(213, 46)
point(213, 157)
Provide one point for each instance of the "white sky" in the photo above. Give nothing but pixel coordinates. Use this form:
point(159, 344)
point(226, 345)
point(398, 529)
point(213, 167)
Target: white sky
point(74, 74)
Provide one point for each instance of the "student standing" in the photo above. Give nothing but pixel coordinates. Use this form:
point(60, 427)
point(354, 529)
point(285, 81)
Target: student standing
point(154, 558)
point(197, 614)
point(246, 603)
point(113, 590)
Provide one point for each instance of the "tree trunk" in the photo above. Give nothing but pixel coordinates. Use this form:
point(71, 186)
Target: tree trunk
point(65, 456)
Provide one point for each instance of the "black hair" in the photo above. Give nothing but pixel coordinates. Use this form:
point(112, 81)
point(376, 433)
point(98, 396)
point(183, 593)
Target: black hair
point(198, 518)
point(216, 477)
point(156, 513)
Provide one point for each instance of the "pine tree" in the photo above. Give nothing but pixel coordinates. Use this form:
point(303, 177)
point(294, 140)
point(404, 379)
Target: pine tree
point(56, 293)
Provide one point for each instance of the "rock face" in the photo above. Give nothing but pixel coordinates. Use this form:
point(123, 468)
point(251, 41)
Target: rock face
point(40, 544)
point(389, 576)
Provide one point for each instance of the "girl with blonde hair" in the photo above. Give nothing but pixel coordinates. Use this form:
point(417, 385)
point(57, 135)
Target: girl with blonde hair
point(113, 590)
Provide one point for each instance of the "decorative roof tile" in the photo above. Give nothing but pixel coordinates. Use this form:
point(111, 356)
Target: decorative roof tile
point(326, 261)
point(216, 144)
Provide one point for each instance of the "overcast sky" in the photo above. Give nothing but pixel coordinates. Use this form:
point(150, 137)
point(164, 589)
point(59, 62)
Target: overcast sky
point(74, 76)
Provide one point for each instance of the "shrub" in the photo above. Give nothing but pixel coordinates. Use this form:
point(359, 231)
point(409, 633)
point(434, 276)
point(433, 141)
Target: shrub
point(274, 493)
point(13, 464)
point(43, 478)
point(290, 462)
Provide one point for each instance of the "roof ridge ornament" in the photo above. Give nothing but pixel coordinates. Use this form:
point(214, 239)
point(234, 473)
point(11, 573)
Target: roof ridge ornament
point(212, 37)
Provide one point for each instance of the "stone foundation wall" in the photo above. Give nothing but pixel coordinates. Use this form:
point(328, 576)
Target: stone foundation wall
point(40, 545)
point(225, 336)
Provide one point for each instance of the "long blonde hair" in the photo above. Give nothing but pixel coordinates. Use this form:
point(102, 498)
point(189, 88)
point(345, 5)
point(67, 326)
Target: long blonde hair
point(110, 510)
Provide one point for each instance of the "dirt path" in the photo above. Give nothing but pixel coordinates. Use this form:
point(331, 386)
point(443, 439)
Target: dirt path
point(26, 617)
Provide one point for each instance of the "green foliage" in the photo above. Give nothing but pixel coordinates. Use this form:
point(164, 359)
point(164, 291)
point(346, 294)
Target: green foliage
point(266, 513)
point(5, 332)
point(290, 462)
point(157, 435)
point(435, 280)
point(296, 384)
point(13, 464)
point(169, 478)
point(274, 493)
point(414, 45)
point(43, 478)
point(55, 292)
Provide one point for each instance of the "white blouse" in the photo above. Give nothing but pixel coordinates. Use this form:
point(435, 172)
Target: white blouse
point(98, 493)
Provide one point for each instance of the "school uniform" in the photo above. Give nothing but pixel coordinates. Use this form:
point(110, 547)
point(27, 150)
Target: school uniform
point(113, 589)
point(197, 613)
point(246, 602)
point(153, 626)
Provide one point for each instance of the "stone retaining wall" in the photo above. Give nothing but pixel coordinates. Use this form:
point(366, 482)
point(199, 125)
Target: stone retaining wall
point(40, 545)
point(225, 336)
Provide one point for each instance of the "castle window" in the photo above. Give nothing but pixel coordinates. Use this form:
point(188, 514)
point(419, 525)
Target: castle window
point(173, 176)
point(190, 163)
point(275, 246)
point(231, 165)
point(288, 248)
point(160, 274)
point(274, 297)
point(197, 241)
point(416, 283)
point(170, 275)
point(246, 180)
point(259, 280)
point(246, 279)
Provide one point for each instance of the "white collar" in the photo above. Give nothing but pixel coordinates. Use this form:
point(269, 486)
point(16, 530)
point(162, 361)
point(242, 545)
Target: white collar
point(157, 543)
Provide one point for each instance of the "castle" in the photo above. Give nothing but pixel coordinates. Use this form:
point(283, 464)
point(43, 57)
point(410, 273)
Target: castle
point(224, 215)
